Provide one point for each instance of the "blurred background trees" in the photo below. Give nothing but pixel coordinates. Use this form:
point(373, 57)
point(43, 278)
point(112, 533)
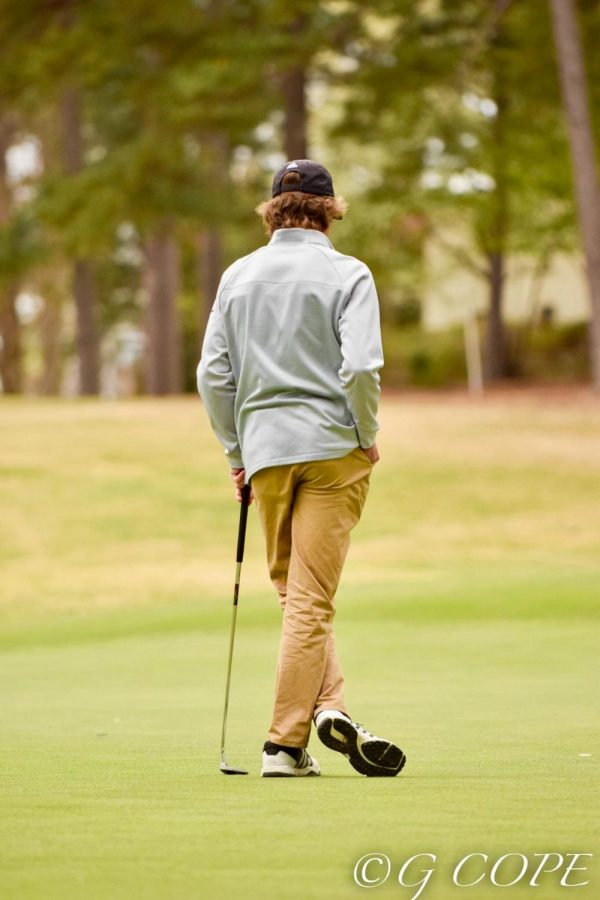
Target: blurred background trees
point(136, 138)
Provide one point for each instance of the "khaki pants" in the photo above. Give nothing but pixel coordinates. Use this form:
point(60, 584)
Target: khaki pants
point(307, 511)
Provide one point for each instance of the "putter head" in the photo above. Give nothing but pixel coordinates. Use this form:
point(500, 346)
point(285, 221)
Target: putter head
point(230, 770)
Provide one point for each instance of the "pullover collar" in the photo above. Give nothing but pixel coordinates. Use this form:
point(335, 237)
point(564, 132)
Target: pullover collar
point(300, 236)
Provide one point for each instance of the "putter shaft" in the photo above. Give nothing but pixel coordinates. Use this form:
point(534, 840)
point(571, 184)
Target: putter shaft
point(230, 659)
point(225, 768)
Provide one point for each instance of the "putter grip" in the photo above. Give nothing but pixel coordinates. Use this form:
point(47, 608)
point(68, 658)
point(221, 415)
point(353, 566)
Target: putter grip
point(243, 520)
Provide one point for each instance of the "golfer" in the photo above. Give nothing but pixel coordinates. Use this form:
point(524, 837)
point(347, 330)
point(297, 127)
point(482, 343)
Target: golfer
point(289, 377)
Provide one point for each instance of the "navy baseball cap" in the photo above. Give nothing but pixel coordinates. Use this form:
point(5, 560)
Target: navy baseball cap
point(314, 179)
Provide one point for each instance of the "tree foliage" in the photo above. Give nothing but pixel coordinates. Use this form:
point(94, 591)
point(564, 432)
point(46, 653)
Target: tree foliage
point(441, 119)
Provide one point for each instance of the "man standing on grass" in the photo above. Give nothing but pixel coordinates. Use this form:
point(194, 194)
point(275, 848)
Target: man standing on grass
point(289, 377)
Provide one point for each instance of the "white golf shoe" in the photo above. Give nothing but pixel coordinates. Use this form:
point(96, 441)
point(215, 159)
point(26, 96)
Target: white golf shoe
point(289, 762)
point(368, 754)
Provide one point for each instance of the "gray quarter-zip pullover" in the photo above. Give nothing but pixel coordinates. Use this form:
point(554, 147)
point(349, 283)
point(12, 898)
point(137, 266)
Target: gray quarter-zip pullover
point(291, 354)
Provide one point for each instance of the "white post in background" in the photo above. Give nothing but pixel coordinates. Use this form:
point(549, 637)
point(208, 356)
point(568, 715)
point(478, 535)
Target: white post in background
point(473, 354)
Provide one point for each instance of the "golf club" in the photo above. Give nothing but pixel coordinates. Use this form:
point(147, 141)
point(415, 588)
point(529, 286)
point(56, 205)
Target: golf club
point(224, 767)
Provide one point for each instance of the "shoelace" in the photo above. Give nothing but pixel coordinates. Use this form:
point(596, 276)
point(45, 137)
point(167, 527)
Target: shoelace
point(364, 730)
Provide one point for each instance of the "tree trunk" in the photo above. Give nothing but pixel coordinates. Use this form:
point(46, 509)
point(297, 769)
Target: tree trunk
point(10, 329)
point(10, 342)
point(210, 265)
point(163, 334)
point(496, 361)
point(84, 285)
point(577, 110)
point(293, 86)
point(50, 334)
point(210, 240)
point(294, 99)
point(84, 289)
point(495, 357)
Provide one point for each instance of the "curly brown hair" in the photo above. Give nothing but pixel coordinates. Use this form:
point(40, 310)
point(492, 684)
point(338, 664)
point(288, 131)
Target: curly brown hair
point(295, 209)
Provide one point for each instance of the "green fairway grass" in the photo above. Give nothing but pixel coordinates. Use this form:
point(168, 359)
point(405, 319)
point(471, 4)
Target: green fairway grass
point(466, 625)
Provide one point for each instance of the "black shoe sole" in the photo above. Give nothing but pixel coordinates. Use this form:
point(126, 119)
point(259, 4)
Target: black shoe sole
point(287, 775)
point(378, 759)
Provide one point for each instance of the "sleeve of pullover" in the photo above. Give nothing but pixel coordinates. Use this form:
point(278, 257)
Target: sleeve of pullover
point(217, 387)
point(362, 356)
